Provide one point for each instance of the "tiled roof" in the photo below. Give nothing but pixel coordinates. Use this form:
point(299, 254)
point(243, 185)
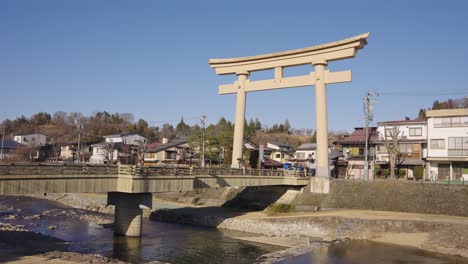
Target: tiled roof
point(359, 136)
point(307, 146)
point(170, 144)
point(11, 144)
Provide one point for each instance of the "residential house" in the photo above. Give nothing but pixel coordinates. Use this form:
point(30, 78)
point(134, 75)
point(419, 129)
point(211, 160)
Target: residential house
point(447, 134)
point(35, 143)
point(9, 148)
point(31, 140)
point(305, 156)
point(411, 136)
point(122, 148)
point(352, 165)
point(169, 152)
point(305, 152)
point(280, 152)
point(68, 152)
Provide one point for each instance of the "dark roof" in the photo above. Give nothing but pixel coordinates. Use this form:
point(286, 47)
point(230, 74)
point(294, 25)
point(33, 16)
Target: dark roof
point(246, 140)
point(359, 136)
point(272, 163)
point(121, 135)
point(117, 145)
point(334, 154)
point(11, 144)
point(170, 144)
point(279, 144)
point(307, 146)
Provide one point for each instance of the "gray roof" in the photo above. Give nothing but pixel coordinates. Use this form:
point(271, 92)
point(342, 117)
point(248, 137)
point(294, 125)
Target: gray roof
point(307, 146)
point(168, 145)
point(121, 135)
point(334, 154)
point(279, 144)
point(11, 144)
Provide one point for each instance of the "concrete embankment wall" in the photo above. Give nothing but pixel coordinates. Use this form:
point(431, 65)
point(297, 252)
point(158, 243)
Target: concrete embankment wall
point(397, 196)
point(251, 198)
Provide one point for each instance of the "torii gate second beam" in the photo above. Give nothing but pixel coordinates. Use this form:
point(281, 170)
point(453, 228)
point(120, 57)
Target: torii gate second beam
point(318, 56)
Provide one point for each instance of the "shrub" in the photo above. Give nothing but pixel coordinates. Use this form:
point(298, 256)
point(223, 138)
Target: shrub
point(401, 172)
point(418, 173)
point(377, 170)
point(386, 172)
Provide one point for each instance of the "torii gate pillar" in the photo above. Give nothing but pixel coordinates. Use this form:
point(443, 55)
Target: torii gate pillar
point(322, 163)
point(318, 56)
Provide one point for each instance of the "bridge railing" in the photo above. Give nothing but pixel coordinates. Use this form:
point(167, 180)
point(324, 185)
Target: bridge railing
point(27, 168)
point(133, 170)
point(189, 171)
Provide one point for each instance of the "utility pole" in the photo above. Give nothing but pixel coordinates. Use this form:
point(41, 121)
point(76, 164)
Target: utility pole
point(202, 121)
point(369, 102)
point(3, 140)
point(78, 147)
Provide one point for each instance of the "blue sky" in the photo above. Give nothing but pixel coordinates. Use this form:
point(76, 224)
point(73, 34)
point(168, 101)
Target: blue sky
point(150, 58)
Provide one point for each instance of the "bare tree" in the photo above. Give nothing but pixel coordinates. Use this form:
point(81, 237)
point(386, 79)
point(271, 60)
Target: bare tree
point(54, 150)
point(108, 152)
point(392, 140)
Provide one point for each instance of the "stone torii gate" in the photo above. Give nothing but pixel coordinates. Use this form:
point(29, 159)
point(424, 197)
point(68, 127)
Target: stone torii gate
point(317, 56)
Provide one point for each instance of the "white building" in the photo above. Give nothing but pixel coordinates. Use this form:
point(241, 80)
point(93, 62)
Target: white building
point(126, 139)
point(112, 149)
point(412, 144)
point(447, 155)
point(305, 152)
point(32, 140)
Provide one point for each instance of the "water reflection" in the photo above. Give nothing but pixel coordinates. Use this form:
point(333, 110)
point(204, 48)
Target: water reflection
point(127, 249)
point(365, 252)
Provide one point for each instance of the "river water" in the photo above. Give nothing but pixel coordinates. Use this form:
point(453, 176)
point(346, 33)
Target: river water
point(176, 243)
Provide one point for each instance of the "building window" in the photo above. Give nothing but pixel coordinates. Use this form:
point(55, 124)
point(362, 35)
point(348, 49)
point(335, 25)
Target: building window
point(406, 148)
point(437, 144)
point(458, 146)
point(388, 132)
point(455, 121)
point(415, 131)
point(442, 122)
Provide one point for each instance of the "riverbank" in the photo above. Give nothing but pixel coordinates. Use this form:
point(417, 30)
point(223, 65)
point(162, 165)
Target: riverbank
point(298, 231)
point(434, 233)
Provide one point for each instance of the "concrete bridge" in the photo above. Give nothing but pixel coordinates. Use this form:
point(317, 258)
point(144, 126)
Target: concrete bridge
point(130, 187)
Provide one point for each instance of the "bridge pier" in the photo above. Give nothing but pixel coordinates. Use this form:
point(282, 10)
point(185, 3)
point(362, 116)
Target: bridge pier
point(128, 211)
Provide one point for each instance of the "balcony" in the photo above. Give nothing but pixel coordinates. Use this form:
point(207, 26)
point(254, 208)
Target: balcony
point(457, 152)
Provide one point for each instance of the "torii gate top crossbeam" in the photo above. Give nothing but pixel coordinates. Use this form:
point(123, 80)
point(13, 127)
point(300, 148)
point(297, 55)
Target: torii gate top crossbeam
point(337, 50)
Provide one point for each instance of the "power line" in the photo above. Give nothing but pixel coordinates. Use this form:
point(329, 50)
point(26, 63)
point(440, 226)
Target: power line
point(425, 93)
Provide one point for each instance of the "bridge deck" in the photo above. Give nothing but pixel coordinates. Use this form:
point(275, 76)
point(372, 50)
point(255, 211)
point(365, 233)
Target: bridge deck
point(27, 178)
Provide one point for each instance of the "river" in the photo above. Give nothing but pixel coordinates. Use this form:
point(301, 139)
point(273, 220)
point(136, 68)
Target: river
point(176, 243)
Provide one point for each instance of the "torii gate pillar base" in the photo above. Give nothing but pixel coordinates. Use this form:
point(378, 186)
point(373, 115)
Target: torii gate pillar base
point(320, 185)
